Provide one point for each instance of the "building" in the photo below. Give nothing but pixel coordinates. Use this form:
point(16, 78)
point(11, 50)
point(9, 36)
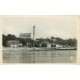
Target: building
point(14, 43)
point(58, 46)
point(25, 35)
point(48, 44)
point(34, 38)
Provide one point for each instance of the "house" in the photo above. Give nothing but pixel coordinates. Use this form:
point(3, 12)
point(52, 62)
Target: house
point(58, 46)
point(14, 43)
point(48, 45)
point(28, 45)
point(25, 35)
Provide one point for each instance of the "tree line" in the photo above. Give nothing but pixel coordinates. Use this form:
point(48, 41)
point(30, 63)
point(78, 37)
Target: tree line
point(69, 42)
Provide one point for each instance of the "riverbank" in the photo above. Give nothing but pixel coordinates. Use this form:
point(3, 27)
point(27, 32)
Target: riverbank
point(35, 49)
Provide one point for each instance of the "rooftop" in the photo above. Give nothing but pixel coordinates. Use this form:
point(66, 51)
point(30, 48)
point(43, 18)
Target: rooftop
point(25, 33)
point(14, 42)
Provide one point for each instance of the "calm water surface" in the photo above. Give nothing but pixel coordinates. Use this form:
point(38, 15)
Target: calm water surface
point(56, 56)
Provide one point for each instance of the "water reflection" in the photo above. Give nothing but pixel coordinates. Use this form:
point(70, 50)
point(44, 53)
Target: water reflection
point(64, 56)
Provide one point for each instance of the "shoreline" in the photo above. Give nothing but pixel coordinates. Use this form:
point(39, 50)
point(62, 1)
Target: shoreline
point(36, 49)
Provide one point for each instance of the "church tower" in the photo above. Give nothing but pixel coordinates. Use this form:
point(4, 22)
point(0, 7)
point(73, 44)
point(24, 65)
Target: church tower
point(34, 33)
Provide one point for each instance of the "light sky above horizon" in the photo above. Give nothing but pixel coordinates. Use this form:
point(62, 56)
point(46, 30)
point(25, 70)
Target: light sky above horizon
point(46, 26)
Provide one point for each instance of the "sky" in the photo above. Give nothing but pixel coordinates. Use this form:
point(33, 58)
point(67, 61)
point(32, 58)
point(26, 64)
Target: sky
point(46, 26)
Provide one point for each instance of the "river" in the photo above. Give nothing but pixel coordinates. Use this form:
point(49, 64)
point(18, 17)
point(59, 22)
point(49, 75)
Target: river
point(23, 56)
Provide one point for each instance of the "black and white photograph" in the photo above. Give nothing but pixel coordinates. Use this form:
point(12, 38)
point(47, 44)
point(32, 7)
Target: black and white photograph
point(39, 39)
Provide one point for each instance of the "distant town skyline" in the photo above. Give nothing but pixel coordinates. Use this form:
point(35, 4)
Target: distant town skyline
point(45, 26)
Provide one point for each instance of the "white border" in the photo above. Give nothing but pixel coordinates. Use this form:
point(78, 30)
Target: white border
point(39, 7)
point(39, 72)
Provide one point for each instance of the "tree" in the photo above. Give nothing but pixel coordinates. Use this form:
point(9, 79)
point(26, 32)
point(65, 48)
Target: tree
point(71, 42)
point(4, 40)
point(44, 45)
point(11, 37)
point(7, 38)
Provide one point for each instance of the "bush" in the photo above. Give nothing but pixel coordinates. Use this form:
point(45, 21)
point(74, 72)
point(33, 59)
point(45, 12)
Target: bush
point(44, 45)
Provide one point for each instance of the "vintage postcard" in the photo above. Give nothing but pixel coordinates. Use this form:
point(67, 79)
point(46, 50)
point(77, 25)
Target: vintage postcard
point(40, 39)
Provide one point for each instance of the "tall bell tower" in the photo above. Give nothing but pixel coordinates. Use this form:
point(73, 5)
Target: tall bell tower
point(34, 33)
